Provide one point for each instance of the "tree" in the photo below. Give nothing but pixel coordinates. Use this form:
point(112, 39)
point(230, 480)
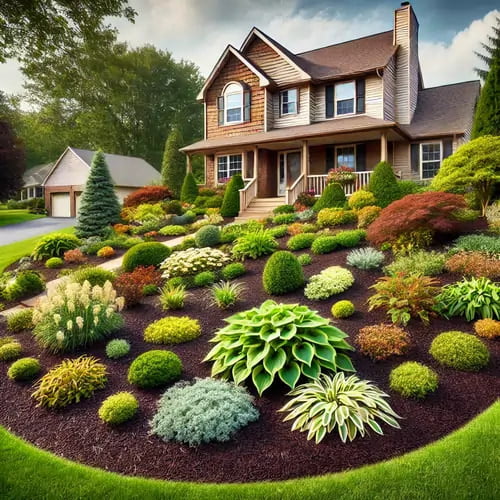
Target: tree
point(99, 207)
point(384, 185)
point(231, 203)
point(476, 166)
point(189, 190)
point(173, 167)
point(491, 50)
point(12, 163)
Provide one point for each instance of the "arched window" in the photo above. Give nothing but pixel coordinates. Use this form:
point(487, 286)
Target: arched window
point(234, 104)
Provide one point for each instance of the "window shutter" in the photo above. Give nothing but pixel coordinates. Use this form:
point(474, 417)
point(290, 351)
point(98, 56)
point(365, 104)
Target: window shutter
point(360, 95)
point(330, 158)
point(447, 148)
point(360, 157)
point(415, 158)
point(220, 109)
point(330, 101)
point(246, 106)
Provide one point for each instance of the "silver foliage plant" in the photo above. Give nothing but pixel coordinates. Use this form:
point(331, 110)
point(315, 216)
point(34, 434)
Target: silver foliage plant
point(365, 258)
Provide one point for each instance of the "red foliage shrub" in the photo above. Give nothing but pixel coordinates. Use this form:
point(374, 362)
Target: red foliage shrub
point(382, 341)
point(432, 212)
point(74, 256)
point(147, 194)
point(476, 264)
point(130, 285)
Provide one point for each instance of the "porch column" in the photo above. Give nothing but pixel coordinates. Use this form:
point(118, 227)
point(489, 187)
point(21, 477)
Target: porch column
point(189, 167)
point(305, 158)
point(255, 161)
point(383, 146)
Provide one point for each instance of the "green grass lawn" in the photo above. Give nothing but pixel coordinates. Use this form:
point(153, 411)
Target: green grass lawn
point(463, 465)
point(14, 251)
point(16, 216)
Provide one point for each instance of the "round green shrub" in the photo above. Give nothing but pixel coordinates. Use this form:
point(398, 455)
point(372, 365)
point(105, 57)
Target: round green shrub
point(324, 244)
point(301, 241)
point(333, 196)
point(284, 218)
point(343, 309)
point(205, 278)
point(94, 275)
point(54, 263)
point(284, 209)
point(24, 369)
point(173, 207)
point(155, 369)
point(459, 350)
point(207, 236)
point(336, 217)
point(413, 380)
point(361, 199)
point(117, 348)
point(172, 330)
point(282, 273)
point(176, 281)
point(118, 408)
point(172, 230)
point(304, 259)
point(213, 201)
point(151, 253)
point(231, 203)
point(10, 351)
point(27, 283)
point(234, 270)
point(20, 320)
point(279, 231)
point(349, 239)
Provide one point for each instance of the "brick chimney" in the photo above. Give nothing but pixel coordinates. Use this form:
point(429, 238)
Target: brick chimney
point(407, 65)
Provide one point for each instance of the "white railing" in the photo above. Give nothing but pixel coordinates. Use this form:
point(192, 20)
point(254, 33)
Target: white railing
point(317, 183)
point(292, 192)
point(248, 193)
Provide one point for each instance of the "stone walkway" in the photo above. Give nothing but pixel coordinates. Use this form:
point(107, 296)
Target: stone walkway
point(111, 265)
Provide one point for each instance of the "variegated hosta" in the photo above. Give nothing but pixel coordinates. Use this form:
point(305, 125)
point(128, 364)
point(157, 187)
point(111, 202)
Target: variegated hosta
point(350, 404)
point(273, 340)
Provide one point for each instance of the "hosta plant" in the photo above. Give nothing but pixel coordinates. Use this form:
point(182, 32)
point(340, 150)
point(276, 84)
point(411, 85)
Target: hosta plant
point(54, 245)
point(351, 405)
point(255, 244)
point(285, 341)
point(193, 261)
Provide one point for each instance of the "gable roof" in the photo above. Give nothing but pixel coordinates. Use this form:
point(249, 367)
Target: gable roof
point(36, 175)
point(444, 110)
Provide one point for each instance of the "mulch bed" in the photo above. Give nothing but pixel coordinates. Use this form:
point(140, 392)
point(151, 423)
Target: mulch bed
point(266, 449)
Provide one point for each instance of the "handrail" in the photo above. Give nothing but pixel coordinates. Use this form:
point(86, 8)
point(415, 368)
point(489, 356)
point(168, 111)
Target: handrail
point(248, 193)
point(295, 189)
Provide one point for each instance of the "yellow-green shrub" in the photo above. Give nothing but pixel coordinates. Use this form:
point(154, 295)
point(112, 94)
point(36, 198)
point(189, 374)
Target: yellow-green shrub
point(172, 330)
point(118, 408)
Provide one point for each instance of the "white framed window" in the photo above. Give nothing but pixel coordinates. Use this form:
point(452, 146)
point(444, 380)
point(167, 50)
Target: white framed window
point(233, 104)
point(228, 165)
point(345, 98)
point(288, 102)
point(345, 156)
point(431, 154)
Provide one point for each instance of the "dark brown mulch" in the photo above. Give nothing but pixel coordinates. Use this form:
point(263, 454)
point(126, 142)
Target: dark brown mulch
point(266, 449)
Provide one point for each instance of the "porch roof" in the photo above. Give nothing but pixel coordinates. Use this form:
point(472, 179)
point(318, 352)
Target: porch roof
point(325, 128)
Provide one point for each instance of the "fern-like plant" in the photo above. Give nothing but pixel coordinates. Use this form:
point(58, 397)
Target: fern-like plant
point(255, 244)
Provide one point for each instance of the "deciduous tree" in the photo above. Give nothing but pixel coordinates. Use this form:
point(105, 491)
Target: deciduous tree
point(12, 163)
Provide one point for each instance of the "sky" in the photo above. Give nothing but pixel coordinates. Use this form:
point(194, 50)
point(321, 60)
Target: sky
point(199, 30)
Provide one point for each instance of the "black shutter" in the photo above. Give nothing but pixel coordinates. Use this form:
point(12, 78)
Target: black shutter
point(415, 158)
point(447, 148)
point(360, 95)
point(220, 109)
point(360, 157)
point(330, 101)
point(246, 106)
point(330, 158)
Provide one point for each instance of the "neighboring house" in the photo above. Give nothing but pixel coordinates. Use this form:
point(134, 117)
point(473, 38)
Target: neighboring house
point(283, 119)
point(65, 182)
point(33, 181)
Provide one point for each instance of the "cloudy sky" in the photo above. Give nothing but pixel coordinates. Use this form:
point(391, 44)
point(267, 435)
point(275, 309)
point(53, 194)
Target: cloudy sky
point(199, 30)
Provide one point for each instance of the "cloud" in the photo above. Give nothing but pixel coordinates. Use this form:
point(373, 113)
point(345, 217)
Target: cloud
point(11, 78)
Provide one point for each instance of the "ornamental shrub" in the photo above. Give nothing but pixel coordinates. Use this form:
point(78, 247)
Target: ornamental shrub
point(192, 261)
point(149, 213)
point(460, 351)
point(384, 185)
point(225, 294)
point(173, 295)
point(106, 252)
point(487, 328)
point(233, 270)
point(54, 245)
point(349, 239)
point(172, 230)
point(418, 262)
point(304, 259)
point(172, 330)
point(254, 245)
point(335, 217)
point(70, 381)
point(324, 244)
point(380, 342)
point(333, 196)
point(74, 256)
point(189, 190)
point(409, 187)
point(284, 218)
point(203, 411)
point(24, 369)
point(278, 231)
point(186, 218)
point(130, 286)
point(477, 243)
point(118, 408)
point(476, 264)
point(361, 199)
point(94, 275)
point(277, 341)
point(154, 369)
point(413, 380)
point(151, 253)
point(284, 209)
point(331, 281)
point(173, 207)
point(365, 258)
point(282, 274)
point(25, 284)
point(231, 204)
point(10, 350)
point(207, 236)
point(147, 194)
point(20, 320)
point(205, 278)
point(117, 348)
point(54, 263)
point(300, 227)
point(367, 215)
point(343, 309)
point(306, 214)
point(301, 241)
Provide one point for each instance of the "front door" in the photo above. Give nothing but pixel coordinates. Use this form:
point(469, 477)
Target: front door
point(288, 170)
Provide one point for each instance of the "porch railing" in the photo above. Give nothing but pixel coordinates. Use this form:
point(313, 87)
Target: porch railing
point(317, 183)
point(292, 192)
point(248, 193)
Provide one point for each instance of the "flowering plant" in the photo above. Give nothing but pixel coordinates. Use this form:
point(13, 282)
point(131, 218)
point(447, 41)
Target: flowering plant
point(305, 200)
point(193, 261)
point(76, 315)
point(341, 175)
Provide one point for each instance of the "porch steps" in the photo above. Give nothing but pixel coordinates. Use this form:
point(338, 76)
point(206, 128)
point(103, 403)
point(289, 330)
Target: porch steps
point(259, 208)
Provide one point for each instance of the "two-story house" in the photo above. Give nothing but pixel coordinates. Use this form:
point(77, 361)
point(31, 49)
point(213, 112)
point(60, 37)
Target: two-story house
point(283, 120)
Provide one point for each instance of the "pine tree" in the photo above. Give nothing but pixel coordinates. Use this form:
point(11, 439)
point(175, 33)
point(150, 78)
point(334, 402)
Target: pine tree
point(231, 204)
point(100, 206)
point(189, 190)
point(173, 169)
point(491, 49)
point(384, 185)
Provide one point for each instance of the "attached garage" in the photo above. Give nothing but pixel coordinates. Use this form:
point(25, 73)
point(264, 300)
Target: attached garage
point(78, 201)
point(61, 205)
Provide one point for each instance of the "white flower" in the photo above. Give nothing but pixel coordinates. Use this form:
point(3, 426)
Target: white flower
point(57, 318)
point(79, 322)
point(69, 325)
point(96, 320)
point(96, 309)
point(60, 336)
point(71, 306)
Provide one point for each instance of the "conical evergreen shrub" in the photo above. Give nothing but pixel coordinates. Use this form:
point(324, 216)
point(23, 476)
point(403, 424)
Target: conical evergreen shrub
point(231, 204)
point(384, 185)
point(173, 167)
point(333, 196)
point(282, 273)
point(99, 206)
point(189, 190)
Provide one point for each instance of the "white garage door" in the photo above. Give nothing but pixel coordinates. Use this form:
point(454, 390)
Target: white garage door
point(78, 201)
point(60, 205)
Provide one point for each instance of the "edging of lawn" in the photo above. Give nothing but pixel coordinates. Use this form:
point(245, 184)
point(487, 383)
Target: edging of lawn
point(16, 216)
point(462, 465)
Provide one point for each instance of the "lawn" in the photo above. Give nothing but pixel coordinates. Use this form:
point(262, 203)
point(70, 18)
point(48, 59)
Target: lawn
point(8, 217)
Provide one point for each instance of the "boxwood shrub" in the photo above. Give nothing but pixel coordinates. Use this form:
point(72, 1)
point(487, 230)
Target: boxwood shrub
point(118, 408)
point(282, 273)
point(154, 369)
point(146, 254)
point(301, 241)
point(413, 380)
point(172, 330)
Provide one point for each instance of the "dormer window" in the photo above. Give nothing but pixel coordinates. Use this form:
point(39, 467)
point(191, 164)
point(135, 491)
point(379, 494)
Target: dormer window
point(345, 95)
point(288, 102)
point(234, 104)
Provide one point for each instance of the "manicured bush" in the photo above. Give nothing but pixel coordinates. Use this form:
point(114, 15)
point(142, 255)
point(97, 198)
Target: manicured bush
point(476, 264)
point(349, 239)
point(324, 244)
point(203, 411)
point(306, 214)
point(367, 215)
point(284, 218)
point(278, 231)
point(304, 259)
point(331, 281)
point(189, 190)
point(172, 230)
point(226, 294)
point(350, 404)
point(186, 218)
point(70, 381)
point(26, 284)
point(409, 187)
point(173, 207)
point(277, 341)
point(365, 258)
point(301, 241)
point(460, 351)
point(254, 245)
point(214, 201)
point(118, 408)
point(335, 217)
point(205, 278)
point(74, 256)
point(477, 243)
point(149, 213)
point(20, 320)
point(284, 209)
point(300, 227)
point(54, 263)
point(172, 330)
point(94, 275)
point(192, 261)
point(361, 199)
point(131, 285)
point(333, 196)
point(233, 270)
point(54, 245)
point(106, 252)
point(207, 236)
point(147, 194)
point(487, 328)
point(380, 342)
point(231, 204)
point(10, 350)
point(154, 369)
point(413, 380)
point(343, 309)
point(173, 295)
point(24, 369)
point(282, 274)
point(383, 184)
point(145, 254)
point(418, 262)
point(117, 348)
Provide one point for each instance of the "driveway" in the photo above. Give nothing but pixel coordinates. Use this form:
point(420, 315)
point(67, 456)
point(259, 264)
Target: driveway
point(31, 228)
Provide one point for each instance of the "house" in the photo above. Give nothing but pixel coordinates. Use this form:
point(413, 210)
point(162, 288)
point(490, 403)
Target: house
point(283, 119)
point(33, 182)
point(66, 180)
